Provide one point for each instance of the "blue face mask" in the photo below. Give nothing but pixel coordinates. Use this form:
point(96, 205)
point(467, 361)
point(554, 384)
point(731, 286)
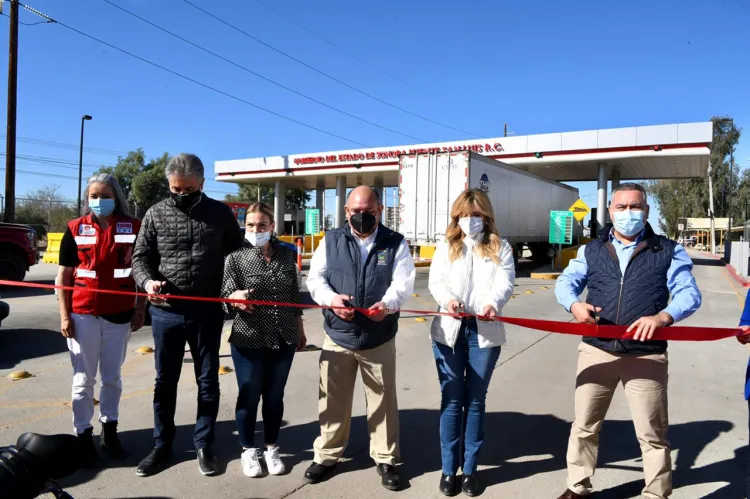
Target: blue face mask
point(102, 207)
point(629, 223)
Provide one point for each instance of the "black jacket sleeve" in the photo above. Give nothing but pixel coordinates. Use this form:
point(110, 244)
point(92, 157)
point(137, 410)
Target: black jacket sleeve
point(146, 256)
point(232, 234)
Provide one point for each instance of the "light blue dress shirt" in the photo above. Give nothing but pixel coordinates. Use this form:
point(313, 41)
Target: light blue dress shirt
point(686, 298)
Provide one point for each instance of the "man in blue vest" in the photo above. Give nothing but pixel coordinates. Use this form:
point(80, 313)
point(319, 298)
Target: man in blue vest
point(361, 265)
point(630, 273)
point(744, 338)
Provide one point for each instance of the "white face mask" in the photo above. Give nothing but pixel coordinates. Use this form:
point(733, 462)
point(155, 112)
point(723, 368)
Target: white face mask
point(257, 239)
point(472, 226)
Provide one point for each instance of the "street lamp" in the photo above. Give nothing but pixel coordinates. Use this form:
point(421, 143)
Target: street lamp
point(84, 118)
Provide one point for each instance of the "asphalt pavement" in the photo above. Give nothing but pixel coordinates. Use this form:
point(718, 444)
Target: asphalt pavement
point(529, 408)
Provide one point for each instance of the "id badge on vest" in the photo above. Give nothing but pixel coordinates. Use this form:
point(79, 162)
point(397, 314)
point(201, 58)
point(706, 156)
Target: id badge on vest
point(382, 257)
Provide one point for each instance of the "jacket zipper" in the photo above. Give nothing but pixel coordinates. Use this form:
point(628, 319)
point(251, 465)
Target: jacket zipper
point(637, 250)
point(190, 237)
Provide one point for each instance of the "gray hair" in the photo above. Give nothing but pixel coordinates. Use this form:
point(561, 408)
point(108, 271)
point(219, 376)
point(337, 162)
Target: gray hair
point(631, 186)
point(121, 203)
point(185, 164)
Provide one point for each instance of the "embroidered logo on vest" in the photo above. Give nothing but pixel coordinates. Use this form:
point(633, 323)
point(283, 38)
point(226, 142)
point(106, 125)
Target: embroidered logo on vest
point(124, 228)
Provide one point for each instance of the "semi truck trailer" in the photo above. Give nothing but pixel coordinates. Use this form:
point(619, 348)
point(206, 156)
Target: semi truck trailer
point(522, 201)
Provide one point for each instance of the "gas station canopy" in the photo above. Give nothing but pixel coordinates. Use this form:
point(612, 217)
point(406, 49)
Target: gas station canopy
point(635, 153)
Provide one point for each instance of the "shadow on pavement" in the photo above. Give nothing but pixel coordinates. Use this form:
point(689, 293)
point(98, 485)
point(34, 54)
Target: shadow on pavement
point(17, 345)
point(17, 292)
point(517, 446)
point(708, 262)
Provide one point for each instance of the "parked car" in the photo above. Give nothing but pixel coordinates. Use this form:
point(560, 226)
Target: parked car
point(4, 311)
point(18, 251)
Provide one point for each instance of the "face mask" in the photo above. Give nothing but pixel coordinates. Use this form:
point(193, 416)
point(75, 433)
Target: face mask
point(471, 226)
point(185, 200)
point(102, 207)
point(257, 239)
point(629, 223)
point(363, 222)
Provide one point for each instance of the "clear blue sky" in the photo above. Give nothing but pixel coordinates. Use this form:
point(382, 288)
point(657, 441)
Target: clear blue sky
point(541, 66)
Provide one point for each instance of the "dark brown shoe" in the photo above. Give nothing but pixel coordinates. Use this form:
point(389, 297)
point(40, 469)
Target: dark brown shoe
point(569, 494)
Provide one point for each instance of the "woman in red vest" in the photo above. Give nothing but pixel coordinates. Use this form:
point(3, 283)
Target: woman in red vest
point(95, 254)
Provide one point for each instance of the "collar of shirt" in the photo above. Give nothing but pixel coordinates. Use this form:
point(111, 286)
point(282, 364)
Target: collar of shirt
point(365, 245)
point(617, 242)
point(470, 242)
point(366, 241)
point(624, 251)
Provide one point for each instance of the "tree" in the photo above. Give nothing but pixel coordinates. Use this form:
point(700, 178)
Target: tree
point(689, 198)
point(46, 210)
point(250, 193)
point(143, 182)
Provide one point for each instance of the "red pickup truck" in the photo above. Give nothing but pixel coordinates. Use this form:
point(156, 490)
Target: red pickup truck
point(18, 251)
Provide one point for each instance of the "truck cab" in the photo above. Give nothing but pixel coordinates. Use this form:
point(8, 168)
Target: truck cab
point(18, 251)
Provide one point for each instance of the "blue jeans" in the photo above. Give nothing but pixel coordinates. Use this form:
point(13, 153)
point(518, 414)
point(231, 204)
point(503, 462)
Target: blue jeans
point(464, 372)
point(261, 371)
point(201, 330)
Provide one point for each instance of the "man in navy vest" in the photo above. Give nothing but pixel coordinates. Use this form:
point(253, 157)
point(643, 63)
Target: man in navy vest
point(630, 273)
point(362, 265)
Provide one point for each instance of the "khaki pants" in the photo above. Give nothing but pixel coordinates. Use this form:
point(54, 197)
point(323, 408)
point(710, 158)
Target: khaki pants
point(644, 379)
point(338, 373)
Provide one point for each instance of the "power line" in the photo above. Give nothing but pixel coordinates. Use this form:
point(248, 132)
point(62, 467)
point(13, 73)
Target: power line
point(353, 56)
point(248, 70)
point(54, 161)
point(63, 145)
point(40, 174)
point(26, 24)
point(209, 87)
point(333, 78)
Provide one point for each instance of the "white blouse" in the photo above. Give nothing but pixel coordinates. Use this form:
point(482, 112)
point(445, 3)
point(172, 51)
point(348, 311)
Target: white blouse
point(475, 281)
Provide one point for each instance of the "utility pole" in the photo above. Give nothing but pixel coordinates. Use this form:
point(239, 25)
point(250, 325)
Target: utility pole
point(731, 184)
point(10, 136)
point(711, 210)
point(505, 130)
point(84, 119)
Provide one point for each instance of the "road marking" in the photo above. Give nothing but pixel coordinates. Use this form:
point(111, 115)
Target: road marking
point(740, 300)
point(63, 409)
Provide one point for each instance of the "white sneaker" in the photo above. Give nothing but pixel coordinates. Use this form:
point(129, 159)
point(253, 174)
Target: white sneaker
point(251, 463)
point(273, 461)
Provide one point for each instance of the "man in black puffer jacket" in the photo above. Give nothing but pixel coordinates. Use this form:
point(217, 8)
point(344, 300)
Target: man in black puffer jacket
point(180, 250)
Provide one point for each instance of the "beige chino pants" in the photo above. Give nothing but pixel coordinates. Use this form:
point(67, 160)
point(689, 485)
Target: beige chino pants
point(338, 373)
point(644, 379)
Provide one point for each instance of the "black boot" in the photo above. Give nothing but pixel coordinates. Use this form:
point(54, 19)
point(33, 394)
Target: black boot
point(89, 456)
point(110, 443)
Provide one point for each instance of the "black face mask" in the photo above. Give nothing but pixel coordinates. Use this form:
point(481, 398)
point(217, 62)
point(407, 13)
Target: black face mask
point(185, 200)
point(363, 222)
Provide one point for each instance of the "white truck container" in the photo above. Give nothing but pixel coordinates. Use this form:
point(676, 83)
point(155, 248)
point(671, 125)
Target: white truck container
point(430, 183)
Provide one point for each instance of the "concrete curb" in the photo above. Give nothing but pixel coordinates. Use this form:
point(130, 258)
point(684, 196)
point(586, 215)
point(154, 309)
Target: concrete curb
point(742, 281)
point(546, 275)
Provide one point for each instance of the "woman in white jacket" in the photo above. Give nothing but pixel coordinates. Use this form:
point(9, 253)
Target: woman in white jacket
point(472, 271)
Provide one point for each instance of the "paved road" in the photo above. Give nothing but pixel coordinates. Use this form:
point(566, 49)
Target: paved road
point(529, 409)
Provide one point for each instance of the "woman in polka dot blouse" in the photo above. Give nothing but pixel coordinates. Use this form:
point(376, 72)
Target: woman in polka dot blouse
point(263, 339)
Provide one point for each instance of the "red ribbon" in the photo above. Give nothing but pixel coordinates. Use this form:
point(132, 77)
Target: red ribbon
point(673, 333)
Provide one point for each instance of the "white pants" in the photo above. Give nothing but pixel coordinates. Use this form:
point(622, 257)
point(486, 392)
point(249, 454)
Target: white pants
point(98, 344)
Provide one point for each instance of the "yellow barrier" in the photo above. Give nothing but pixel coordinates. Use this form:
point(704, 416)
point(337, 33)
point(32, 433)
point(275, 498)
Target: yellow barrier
point(308, 242)
point(426, 251)
point(52, 255)
point(563, 258)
